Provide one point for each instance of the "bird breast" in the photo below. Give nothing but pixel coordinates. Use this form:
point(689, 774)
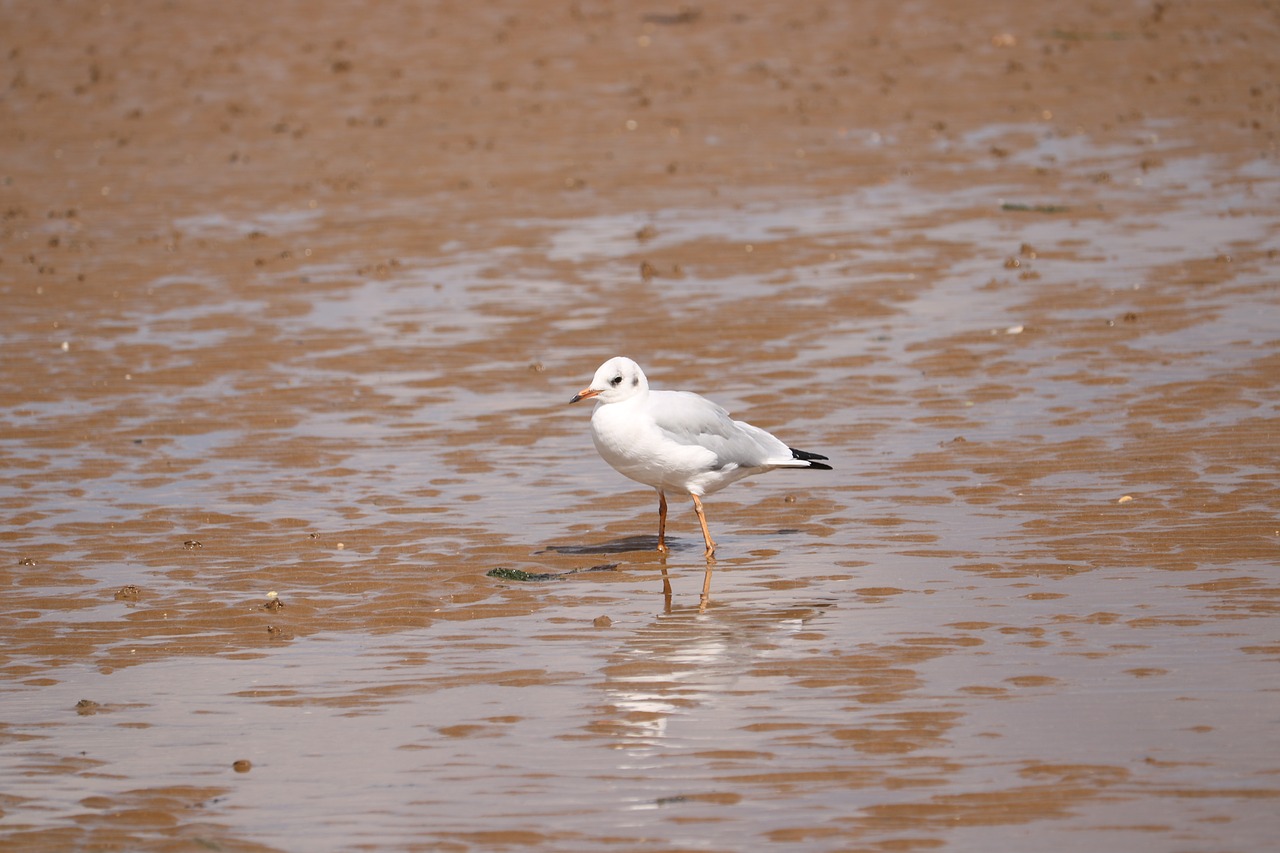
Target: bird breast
point(627, 438)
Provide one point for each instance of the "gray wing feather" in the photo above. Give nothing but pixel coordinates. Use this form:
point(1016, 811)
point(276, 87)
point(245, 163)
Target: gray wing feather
point(688, 419)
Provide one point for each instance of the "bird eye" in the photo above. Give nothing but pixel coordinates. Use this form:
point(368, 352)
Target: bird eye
point(616, 381)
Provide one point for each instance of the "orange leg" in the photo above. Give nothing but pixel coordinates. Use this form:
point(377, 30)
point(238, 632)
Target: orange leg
point(662, 521)
point(702, 519)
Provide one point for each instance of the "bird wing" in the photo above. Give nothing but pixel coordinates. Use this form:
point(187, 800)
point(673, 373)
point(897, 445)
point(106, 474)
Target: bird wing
point(691, 420)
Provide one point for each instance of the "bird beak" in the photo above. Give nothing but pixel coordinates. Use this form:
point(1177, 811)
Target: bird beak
point(584, 394)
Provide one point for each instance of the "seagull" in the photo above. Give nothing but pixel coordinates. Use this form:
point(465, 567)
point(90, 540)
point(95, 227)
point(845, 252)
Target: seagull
point(678, 441)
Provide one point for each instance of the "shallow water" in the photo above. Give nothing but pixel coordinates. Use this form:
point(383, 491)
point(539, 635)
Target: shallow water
point(261, 460)
point(1032, 607)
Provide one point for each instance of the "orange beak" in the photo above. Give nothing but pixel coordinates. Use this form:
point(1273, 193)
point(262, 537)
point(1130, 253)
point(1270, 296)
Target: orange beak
point(584, 394)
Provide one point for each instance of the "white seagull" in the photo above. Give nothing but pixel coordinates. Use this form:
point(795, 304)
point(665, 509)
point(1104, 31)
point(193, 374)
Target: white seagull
point(677, 440)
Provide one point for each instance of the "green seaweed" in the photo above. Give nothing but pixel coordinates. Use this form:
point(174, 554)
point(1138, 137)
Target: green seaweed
point(519, 575)
point(503, 573)
point(1036, 208)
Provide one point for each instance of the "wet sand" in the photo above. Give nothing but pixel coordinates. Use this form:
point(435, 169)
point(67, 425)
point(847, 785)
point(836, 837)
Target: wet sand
point(296, 296)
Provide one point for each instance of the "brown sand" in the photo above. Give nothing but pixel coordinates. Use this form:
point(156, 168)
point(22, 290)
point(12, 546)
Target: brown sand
point(295, 296)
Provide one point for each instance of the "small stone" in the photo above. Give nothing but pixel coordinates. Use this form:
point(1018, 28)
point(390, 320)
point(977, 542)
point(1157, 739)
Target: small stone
point(128, 592)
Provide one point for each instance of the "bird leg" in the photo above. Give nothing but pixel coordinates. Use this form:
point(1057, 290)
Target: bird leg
point(702, 519)
point(662, 521)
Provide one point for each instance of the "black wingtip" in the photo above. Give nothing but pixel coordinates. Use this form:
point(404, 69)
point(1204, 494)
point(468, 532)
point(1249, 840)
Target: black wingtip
point(806, 456)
